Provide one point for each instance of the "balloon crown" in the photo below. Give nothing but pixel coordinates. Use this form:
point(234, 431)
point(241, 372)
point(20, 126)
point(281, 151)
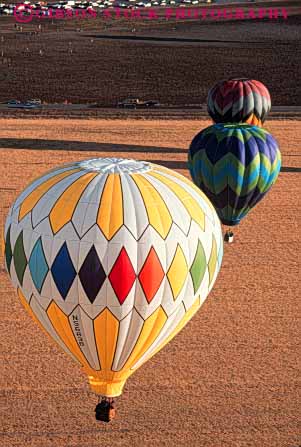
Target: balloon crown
point(114, 165)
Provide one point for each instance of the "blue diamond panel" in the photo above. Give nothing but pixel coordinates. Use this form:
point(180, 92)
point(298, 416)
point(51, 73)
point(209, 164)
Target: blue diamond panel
point(92, 274)
point(38, 265)
point(63, 271)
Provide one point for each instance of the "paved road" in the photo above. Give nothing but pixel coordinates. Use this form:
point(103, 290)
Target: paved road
point(85, 110)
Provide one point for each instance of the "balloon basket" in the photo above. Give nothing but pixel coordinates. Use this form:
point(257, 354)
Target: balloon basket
point(105, 410)
point(229, 237)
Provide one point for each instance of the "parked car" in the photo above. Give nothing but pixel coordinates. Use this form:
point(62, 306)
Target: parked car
point(22, 105)
point(134, 103)
point(37, 102)
point(13, 102)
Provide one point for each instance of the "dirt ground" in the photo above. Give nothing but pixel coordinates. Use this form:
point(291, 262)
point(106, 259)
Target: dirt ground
point(231, 378)
point(173, 61)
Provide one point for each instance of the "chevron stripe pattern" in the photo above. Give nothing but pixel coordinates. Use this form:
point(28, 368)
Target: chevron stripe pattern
point(112, 258)
point(239, 101)
point(235, 165)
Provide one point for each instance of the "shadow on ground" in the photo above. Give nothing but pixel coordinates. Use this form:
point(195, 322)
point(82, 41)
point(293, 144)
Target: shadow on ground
point(80, 146)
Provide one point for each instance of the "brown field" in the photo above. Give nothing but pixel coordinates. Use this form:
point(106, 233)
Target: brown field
point(230, 379)
point(186, 58)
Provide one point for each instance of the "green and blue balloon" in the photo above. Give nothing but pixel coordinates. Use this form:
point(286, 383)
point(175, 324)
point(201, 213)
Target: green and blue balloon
point(235, 165)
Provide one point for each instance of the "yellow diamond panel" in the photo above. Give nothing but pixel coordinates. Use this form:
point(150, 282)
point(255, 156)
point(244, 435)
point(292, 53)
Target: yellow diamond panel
point(177, 272)
point(110, 213)
point(158, 214)
point(212, 260)
point(32, 199)
point(63, 210)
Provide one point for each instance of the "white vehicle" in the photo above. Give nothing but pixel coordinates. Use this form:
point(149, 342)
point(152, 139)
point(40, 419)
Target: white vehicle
point(37, 102)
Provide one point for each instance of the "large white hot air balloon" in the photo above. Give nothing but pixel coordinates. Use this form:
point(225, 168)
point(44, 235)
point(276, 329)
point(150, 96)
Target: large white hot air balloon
point(112, 257)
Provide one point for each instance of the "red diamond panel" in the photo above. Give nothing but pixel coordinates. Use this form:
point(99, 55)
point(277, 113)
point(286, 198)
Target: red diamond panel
point(122, 276)
point(151, 275)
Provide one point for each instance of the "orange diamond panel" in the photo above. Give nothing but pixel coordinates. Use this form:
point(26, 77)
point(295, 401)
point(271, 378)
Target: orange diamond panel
point(151, 275)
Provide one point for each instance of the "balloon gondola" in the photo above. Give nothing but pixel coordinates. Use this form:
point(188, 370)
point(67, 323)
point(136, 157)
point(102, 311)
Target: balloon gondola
point(105, 409)
point(229, 236)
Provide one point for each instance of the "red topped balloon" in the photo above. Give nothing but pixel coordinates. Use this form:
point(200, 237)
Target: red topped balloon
point(239, 101)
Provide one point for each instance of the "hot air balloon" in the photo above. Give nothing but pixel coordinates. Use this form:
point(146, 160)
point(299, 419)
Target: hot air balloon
point(239, 101)
point(235, 165)
point(112, 257)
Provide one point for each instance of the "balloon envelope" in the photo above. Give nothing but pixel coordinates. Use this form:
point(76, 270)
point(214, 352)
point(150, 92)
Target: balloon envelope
point(112, 257)
point(235, 165)
point(239, 101)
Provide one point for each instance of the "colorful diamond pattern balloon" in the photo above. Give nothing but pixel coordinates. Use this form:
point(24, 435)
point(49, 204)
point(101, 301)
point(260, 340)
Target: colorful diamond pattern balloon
point(112, 246)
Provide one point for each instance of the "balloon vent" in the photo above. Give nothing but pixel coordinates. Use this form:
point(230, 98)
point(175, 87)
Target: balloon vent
point(114, 165)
